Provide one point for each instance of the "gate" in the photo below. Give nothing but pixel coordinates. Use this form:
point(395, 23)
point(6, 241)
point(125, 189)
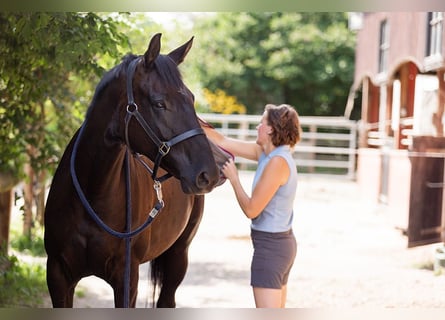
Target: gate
point(427, 208)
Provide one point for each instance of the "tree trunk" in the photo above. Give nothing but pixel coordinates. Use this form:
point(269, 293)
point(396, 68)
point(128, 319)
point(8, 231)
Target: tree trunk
point(7, 183)
point(40, 198)
point(28, 197)
point(5, 218)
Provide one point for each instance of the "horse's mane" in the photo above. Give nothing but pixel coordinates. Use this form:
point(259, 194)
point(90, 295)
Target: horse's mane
point(109, 76)
point(166, 67)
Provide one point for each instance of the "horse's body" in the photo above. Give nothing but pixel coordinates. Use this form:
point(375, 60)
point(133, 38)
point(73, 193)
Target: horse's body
point(77, 246)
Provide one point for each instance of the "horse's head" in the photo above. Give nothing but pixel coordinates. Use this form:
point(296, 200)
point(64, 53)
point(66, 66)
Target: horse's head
point(161, 121)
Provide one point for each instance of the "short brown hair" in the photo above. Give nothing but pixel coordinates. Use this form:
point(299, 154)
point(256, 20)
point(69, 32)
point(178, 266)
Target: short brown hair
point(285, 123)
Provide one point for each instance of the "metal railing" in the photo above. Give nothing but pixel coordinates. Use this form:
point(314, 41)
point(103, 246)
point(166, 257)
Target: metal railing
point(327, 147)
point(377, 132)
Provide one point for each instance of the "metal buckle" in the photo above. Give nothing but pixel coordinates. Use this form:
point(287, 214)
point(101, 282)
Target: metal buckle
point(164, 148)
point(158, 188)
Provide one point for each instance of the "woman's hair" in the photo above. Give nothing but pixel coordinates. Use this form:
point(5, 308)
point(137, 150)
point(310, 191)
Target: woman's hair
point(285, 123)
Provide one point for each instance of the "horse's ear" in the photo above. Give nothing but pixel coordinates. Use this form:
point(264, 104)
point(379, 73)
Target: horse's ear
point(153, 50)
point(179, 54)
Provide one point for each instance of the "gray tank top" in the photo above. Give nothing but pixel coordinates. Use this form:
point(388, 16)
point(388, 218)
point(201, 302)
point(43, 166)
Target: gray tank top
point(278, 214)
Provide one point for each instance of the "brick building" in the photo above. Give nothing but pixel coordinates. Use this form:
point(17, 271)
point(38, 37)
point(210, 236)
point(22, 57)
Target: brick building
point(399, 92)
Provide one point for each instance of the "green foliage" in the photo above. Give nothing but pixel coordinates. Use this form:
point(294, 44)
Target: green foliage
point(47, 61)
point(23, 285)
point(33, 246)
point(304, 59)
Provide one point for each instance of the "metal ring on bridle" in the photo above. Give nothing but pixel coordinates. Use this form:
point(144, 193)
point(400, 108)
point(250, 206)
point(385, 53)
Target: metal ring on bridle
point(134, 105)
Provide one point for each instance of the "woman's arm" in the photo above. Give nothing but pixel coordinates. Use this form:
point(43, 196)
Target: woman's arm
point(245, 149)
point(274, 175)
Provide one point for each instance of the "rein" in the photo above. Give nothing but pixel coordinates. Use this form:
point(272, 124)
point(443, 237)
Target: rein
point(163, 150)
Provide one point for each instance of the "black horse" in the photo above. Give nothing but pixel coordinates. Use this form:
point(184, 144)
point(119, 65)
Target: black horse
point(110, 206)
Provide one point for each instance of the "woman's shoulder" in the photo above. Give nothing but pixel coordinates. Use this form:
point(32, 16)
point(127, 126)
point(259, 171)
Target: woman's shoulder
point(281, 151)
point(284, 155)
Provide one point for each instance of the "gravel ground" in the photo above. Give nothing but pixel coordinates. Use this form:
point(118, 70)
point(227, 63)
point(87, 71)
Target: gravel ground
point(348, 256)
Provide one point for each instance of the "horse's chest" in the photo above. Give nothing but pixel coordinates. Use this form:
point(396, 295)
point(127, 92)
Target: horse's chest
point(167, 226)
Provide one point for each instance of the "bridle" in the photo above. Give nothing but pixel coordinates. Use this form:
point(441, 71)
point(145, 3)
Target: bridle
point(163, 146)
point(163, 149)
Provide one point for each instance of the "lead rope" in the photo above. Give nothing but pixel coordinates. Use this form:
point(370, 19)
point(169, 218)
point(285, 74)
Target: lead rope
point(158, 189)
point(128, 234)
point(127, 273)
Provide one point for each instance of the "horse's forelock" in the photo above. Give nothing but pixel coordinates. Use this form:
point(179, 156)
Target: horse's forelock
point(166, 67)
point(168, 72)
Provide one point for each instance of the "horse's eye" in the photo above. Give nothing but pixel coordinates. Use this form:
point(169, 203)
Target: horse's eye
point(159, 104)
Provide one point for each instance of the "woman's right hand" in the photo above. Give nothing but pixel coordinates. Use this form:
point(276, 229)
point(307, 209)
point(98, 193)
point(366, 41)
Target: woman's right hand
point(229, 170)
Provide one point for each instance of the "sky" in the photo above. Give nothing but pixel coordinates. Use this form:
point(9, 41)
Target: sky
point(168, 19)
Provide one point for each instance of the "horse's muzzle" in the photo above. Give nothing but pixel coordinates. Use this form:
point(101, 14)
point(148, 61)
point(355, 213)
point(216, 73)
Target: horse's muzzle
point(221, 156)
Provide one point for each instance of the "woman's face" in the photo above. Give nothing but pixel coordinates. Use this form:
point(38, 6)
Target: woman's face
point(263, 131)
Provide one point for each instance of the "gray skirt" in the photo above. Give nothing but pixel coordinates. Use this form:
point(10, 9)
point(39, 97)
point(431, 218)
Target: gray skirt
point(273, 257)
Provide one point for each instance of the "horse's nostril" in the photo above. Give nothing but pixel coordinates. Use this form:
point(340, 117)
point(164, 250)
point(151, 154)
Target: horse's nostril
point(203, 180)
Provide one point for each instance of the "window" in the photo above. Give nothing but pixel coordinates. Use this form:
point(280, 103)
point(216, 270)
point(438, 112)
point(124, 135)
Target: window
point(435, 31)
point(383, 46)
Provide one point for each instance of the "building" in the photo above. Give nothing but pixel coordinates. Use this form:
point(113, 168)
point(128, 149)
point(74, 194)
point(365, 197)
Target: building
point(399, 92)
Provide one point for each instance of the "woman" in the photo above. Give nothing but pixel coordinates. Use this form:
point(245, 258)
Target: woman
point(270, 207)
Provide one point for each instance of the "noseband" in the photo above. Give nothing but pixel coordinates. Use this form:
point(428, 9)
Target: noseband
point(163, 146)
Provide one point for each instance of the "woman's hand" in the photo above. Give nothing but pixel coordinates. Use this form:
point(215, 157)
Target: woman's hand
point(229, 170)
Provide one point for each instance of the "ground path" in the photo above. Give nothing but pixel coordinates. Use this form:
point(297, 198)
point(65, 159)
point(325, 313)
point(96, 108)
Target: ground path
point(348, 256)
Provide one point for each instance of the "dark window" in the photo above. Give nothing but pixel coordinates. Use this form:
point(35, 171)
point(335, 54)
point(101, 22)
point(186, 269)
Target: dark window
point(383, 46)
point(435, 31)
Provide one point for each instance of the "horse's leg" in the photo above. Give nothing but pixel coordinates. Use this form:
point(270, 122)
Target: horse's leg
point(118, 284)
point(60, 286)
point(173, 263)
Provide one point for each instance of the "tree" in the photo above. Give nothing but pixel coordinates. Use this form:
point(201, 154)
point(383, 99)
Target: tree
point(220, 102)
point(47, 60)
point(304, 59)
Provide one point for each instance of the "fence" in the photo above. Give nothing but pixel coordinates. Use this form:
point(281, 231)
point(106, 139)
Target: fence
point(328, 144)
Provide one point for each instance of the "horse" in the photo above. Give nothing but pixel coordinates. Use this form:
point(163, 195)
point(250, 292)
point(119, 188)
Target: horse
point(130, 185)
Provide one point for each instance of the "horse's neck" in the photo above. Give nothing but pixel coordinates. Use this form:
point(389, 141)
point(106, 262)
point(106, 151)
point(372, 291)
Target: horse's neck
point(99, 167)
point(95, 142)
point(112, 179)
point(103, 152)
point(111, 166)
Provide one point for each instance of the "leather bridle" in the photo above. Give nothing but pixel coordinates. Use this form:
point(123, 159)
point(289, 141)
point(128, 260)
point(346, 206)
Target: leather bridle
point(163, 146)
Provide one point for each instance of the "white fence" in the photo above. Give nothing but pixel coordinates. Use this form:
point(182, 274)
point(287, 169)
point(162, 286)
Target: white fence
point(328, 144)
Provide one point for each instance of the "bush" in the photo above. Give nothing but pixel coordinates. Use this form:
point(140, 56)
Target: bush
point(29, 245)
point(23, 285)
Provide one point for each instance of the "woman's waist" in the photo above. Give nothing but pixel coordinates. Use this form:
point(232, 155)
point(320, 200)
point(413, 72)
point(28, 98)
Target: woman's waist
point(271, 233)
